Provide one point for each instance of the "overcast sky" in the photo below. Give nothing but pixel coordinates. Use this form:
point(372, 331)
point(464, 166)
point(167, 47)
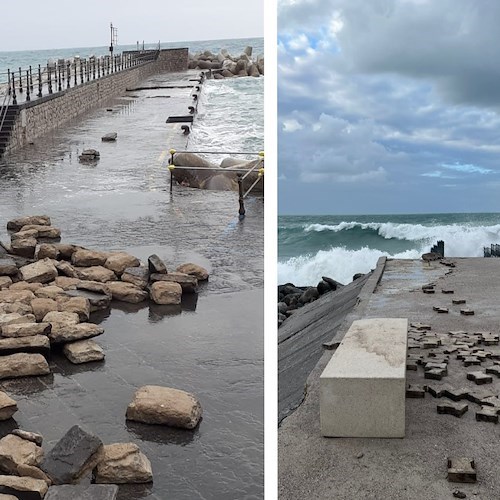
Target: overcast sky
point(388, 106)
point(48, 24)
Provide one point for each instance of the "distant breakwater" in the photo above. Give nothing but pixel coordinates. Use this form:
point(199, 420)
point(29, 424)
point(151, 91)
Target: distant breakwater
point(224, 65)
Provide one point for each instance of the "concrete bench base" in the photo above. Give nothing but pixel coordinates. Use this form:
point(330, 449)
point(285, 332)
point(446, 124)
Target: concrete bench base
point(362, 389)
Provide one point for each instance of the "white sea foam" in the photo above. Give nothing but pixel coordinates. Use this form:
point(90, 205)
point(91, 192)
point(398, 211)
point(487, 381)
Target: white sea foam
point(338, 263)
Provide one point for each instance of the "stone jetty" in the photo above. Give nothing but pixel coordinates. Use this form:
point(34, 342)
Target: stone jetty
point(224, 65)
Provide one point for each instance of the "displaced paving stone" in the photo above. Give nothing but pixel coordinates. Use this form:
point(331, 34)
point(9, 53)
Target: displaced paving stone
point(126, 292)
point(42, 271)
point(455, 394)
point(83, 351)
point(441, 310)
point(477, 396)
point(35, 343)
point(435, 374)
point(415, 391)
point(123, 463)
point(429, 290)
point(200, 273)
point(431, 344)
point(420, 326)
point(83, 492)
point(75, 454)
point(487, 414)
point(434, 391)
point(467, 312)
point(436, 366)
point(493, 370)
point(166, 293)
point(29, 436)
point(411, 366)
point(458, 301)
point(447, 291)
point(88, 258)
point(189, 284)
point(23, 487)
point(471, 360)
point(479, 378)
point(23, 365)
point(15, 451)
point(26, 329)
point(459, 494)
point(490, 401)
point(96, 273)
point(461, 470)
point(111, 137)
point(156, 265)
point(455, 409)
point(491, 339)
point(19, 222)
point(63, 333)
point(165, 406)
point(7, 406)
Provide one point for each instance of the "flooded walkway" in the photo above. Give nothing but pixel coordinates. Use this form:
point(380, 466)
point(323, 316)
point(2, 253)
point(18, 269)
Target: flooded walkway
point(213, 348)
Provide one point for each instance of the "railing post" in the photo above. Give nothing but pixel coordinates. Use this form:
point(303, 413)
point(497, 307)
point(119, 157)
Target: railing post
point(39, 81)
point(75, 73)
point(49, 76)
point(68, 74)
point(241, 211)
point(20, 81)
point(28, 95)
point(93, 68)
point(31, 80)
point(8, 78)
point(81, 73)
point(87, 69)
point(99, 68)
point(59, 83)
point(14, 99)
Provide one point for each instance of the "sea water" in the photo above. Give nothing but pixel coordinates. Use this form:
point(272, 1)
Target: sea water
point(340, 246)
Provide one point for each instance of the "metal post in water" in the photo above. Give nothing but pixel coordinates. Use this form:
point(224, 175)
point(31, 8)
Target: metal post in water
point(14, 99)
point(39, 81)
point(241, 201)
point(171, 167)
point(28, 95)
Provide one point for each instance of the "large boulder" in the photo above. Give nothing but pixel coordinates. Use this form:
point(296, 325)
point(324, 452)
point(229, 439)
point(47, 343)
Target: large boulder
point(166, 293)
point(15, 451)
point(96, 273)
point(24, 247)
point(88, 258)
point(23, 365)
point(123, 463)
point(118, 262)
point(17, 224)
point(7, 406)
point(42, 271)
point(63, 333)
point(156, 265)
point(26, 329)
point(75, 454)
point(22, 235)
point(200, 273)
point(7, 266)
point(23, 487)
point(66, 251)
point(189, 284)
point(35, 343)
point(43, 231)
point(165, 406)
point(46, 250)
point(126, 292)
point(83, 351)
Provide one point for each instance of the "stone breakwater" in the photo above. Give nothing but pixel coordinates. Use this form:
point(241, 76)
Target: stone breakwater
point(48, 292)
point(224, 65)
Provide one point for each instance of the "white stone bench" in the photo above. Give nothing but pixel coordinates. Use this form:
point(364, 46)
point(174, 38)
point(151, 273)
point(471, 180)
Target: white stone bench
point(362, 388)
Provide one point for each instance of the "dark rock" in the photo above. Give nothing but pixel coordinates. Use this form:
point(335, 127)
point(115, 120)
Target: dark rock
point(156, 265)
point(333, 284)
point(83, 492)
point(282, 307)
point(357, 276)
point(17, 224)
point(138, 276)
point(289, 288)
point(111, 137)
point(75, 454)
point(309, 295)
point(323, 287)
point(7, 266)
point(292, 298)
point(459, 494)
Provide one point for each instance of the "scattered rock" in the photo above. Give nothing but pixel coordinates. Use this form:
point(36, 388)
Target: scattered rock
point(5, 282)
point(46, 250)
point(43, 231)
point(38, 220)
point(66, 283)
point(118, 262)
point(23, 487)
point(29, 436)
point(63, 333)
point(166, 293)
point(156, 265)
point(98, 300)
point(42, 271)
point(200, 273)
point(111, 137)
point(459, 494)
point(22, 285)
point(7, 406)
point(7, 266)
point(12, 296)
point(89, 155)
point(66, 269)
point(66, 251)
point(26, 329)
point(15, 319)
point(23, 365)
point(165, 406)
point(138, 276)
point(126, 292)
point(123, 463)
point(83, 351)
point(96, 273)
point(49, 292)
point(15, 451)
point(75, 454)
point(189, 284)
point(24, 247)
point(78, 305)
point(88, 258)
point(61, 317)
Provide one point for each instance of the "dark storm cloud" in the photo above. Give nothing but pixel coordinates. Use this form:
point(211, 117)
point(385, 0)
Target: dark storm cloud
point(389, 94)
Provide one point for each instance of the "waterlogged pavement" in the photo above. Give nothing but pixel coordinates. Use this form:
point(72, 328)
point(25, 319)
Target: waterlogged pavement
point(212, 347)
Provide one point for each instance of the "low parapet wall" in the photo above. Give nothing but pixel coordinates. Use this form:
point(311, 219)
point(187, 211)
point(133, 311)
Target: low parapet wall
point(41, 115)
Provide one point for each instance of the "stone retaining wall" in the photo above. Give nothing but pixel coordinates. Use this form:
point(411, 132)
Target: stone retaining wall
point(49, 112)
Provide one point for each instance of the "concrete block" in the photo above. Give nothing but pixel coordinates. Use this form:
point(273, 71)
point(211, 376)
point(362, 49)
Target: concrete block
point(362, 389)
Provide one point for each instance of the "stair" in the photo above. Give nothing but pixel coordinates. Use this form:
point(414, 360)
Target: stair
point(11, 113)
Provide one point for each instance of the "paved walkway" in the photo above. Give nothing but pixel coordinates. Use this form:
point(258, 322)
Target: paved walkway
point(314, 467)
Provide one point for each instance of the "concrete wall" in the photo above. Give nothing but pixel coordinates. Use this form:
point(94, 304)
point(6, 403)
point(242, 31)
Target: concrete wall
point(41, 115)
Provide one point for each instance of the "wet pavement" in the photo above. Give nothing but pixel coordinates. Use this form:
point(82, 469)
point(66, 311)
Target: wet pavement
point(212, 347)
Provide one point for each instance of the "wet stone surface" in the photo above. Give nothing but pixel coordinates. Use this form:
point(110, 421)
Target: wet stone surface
point(210, 345)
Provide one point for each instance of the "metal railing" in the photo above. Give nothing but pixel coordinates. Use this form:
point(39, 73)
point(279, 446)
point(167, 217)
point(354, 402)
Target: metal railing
point(241, 173)
point(63, 74)
point(4, 109)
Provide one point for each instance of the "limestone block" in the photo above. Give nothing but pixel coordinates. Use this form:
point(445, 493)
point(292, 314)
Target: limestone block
point(32, 488)
point(15, 451)
point(362, 388)
point(165, 406)
point(11, 296)
point(118, 262)
point(17, 224)
point(23, 365)
point(96, 273)
point(200, 273)
point(41, 271)
point(26, 329)
point(25, 247)
point(7, 266)
point(83, 351)
point(43, 231)
point(167, 293)
point(49, 292)
point(5, 282)
point(126, 292)
point(63, 333)
point(138, 276)
point(41, 307)
point(189, 284)
point(87, 258)
point(123, 463)
point(7, 406)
